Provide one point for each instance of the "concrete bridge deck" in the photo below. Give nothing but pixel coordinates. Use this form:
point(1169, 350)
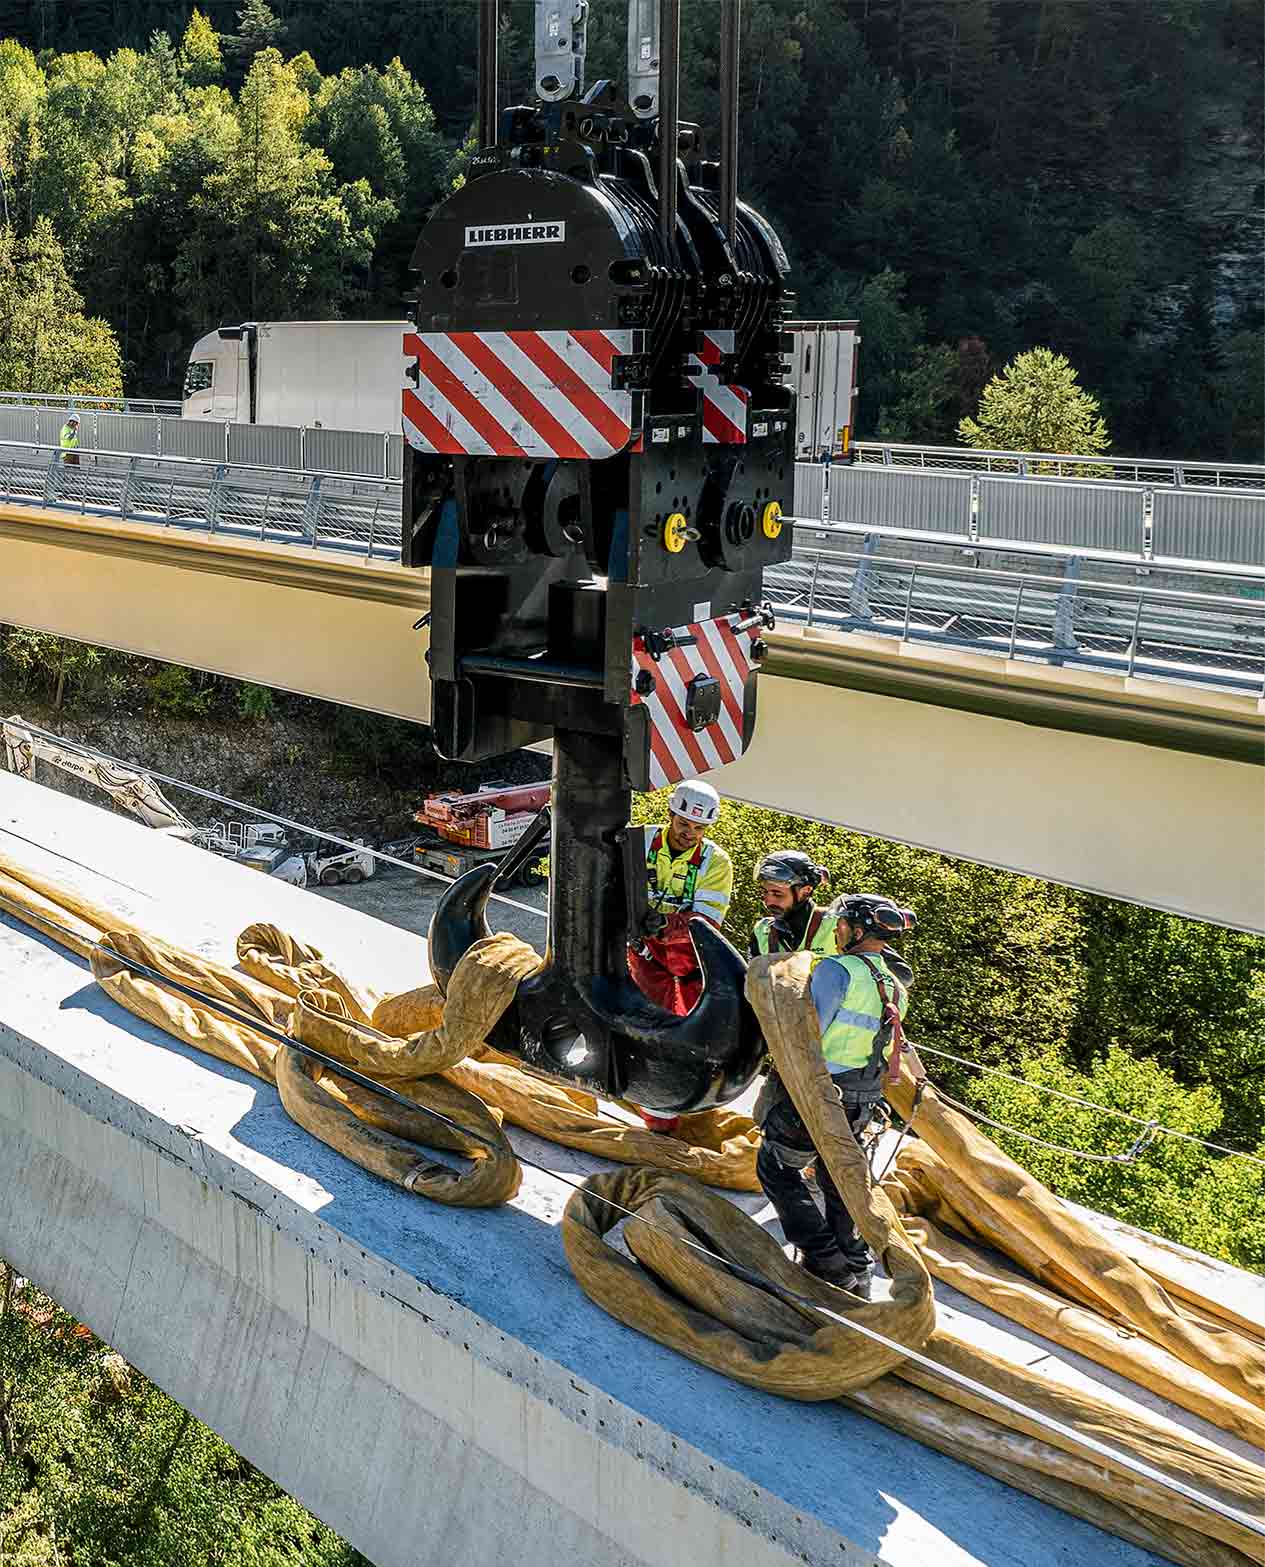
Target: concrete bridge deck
point(431, 1382)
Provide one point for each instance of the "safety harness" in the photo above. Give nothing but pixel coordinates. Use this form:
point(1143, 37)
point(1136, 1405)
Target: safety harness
point(891, 1031)
point(693, 865)
point(815, 922)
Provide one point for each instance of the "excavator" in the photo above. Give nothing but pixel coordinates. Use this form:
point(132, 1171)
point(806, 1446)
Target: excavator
point(599, 442)
point(261, 846)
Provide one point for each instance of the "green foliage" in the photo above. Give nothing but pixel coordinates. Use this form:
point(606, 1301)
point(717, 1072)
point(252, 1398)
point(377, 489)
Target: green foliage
point(1077, 176)
point(1178, 1189)
point(255, 702)
point(1188, 995)
point(34, 661)
point(180, 692)
point(1036, 405)
point(201, 59)
point(47, 344)
point(98, 1459)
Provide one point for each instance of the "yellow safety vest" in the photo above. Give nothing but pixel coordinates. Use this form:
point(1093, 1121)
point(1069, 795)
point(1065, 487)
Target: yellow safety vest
point(701, 879)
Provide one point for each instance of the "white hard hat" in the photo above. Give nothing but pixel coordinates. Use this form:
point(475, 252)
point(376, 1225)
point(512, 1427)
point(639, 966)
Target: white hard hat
point(73, 419)
point(695, 800)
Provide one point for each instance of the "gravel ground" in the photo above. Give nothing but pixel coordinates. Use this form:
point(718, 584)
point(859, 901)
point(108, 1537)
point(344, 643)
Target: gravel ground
point(407, 900)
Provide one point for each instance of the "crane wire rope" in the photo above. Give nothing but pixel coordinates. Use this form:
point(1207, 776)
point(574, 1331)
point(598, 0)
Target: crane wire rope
point(1151, 1127)
point(747, 1275)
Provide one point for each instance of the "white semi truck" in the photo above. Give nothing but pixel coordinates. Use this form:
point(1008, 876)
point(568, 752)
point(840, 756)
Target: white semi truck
point(347, 375)
point(339, 375)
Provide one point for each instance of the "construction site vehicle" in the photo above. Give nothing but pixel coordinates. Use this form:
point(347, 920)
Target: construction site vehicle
point(262, 846)
point(495, 816)
point(824, 379)
point(128, 788)
point(599, 444)
point(467, 830)
point(331, 374)
point(441, 855)
point(344, 866)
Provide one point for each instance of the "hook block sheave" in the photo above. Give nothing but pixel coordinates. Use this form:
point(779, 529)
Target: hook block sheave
point(599, 446)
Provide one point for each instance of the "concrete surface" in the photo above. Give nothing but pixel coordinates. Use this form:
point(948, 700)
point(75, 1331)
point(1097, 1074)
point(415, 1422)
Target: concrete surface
point(430, 1382)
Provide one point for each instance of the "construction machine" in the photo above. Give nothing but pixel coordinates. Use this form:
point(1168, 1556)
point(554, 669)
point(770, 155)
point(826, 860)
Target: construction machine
point(260, 846)
point(599, 444)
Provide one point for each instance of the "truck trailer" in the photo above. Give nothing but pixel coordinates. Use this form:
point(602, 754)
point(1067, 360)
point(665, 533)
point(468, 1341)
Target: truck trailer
point(346, 375)
point(336, 375)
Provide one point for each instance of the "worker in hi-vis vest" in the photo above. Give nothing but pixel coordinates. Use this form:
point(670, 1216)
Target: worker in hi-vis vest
point(70, 441)
point(860, 993)
point(688, 875)
point(787, 880)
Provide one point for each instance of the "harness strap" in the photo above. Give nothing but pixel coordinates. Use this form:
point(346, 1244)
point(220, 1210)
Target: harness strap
point(890, 1028)
point(810, 932)
point(691, 875)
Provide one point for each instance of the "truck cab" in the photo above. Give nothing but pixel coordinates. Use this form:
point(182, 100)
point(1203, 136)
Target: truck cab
point(217, 380)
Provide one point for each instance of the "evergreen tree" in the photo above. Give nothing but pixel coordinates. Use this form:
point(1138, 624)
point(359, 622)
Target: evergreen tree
point(1036, 405)
point(200, 57)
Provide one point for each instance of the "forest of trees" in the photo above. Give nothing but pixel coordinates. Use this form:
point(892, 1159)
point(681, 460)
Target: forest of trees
point(972, 178)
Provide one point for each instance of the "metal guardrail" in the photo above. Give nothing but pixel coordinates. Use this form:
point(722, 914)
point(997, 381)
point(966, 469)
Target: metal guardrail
point(144, 434)
point(1145, 521)
point(1178, 472)
point(1059, 619)
point(69, 400)
point(342, 512)
point(1055, 614)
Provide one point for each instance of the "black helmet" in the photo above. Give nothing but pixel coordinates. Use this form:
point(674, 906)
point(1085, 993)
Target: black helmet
point(874, 915)
point(791, 867)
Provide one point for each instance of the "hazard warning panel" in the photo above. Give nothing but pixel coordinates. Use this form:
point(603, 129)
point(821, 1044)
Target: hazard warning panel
point(518, 394)
point(705, 655)
point(724, 406)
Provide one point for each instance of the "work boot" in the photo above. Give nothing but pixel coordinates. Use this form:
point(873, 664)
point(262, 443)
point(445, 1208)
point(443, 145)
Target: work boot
point(841, 1273)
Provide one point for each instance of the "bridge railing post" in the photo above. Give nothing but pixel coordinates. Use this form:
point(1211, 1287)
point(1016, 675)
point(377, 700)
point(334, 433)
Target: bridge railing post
point(125, 495)
point(1065, 615)
point(858, 597)
point(1134, 637)
point(214, 496)
point(1014, 623)
point(812, 586)
point(312, 511)
point(909, 604)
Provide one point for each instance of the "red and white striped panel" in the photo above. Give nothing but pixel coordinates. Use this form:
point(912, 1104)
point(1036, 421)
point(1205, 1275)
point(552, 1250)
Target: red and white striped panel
point(517, 394)
point(724, 406)
point(676, 750)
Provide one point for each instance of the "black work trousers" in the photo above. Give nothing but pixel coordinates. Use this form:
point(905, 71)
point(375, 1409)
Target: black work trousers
point(820, 1239)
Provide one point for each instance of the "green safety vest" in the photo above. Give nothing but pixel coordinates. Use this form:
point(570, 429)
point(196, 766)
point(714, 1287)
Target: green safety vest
point(69, 438)
point(819, 934)
point(855, 1038)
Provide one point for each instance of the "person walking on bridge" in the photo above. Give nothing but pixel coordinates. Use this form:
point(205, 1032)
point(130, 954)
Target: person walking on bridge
point(787, 880)
point(690, 877)
point(860, 992)
point(70, 441)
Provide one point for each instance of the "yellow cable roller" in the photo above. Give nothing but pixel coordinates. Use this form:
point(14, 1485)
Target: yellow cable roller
point(771, 520)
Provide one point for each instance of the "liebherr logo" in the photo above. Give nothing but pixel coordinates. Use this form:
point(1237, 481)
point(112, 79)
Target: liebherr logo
point(517, 234)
